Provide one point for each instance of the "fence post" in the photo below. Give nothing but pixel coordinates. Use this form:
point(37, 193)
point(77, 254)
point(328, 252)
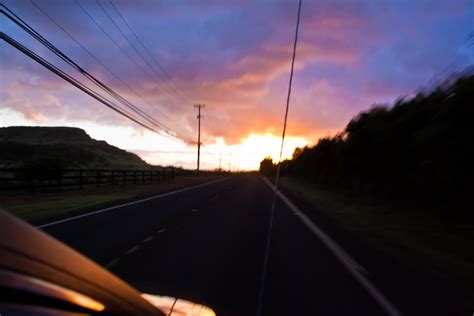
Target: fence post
point(98, 178)
point(80, 179)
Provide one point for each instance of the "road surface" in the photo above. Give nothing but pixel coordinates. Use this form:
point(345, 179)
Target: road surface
point(207, 245)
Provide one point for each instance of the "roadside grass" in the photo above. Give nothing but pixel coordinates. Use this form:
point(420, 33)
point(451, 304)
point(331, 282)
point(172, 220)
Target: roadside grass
point(415, 236)
point(43, 207)
point(55, 206)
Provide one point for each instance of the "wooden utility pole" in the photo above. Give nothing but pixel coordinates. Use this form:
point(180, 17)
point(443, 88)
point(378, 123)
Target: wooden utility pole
point(199, 106)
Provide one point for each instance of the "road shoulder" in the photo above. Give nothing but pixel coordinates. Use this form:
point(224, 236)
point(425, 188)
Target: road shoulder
point(43, 208)
point(410, 286)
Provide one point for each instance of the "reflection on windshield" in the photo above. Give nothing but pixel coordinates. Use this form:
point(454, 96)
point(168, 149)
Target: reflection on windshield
point(175, 306)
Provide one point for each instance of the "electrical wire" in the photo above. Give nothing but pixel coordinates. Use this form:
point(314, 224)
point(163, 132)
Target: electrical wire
point(110, 71)
point(30, 30)
point(272, 211)
point(164, 89)
point(130, 58)
point(117, 96)
point(70, 79)
point(169, 77)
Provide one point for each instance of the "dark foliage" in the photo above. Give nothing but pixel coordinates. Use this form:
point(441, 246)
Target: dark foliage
point(420, 150)
point(267, 167)
point(42, 168)
point(21, 145)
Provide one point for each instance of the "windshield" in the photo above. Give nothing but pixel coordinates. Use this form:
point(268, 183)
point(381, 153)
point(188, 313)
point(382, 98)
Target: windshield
point(257, 157)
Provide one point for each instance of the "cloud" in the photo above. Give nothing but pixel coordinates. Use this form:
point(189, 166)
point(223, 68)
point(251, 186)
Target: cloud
point(235, 57)
point(32, 111)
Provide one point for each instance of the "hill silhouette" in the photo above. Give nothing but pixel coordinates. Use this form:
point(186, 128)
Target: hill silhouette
point(68, 147)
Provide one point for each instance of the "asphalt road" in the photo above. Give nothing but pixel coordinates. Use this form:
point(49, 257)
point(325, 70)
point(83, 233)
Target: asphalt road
point(207, 245)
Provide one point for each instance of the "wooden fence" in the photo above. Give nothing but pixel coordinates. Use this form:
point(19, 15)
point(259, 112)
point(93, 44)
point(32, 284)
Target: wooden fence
point(31, 179)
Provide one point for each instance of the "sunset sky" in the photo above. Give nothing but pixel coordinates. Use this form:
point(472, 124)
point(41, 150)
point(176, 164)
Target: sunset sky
point(234, 56)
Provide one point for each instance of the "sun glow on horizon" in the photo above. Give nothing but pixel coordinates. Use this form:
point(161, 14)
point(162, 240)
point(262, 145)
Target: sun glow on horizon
point(245, 156)
point(160, 150)
point(256, 147)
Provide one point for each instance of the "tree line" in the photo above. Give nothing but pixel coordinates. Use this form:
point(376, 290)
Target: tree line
point(419, 150)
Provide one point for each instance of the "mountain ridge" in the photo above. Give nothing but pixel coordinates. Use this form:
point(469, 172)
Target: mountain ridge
point(71, 147)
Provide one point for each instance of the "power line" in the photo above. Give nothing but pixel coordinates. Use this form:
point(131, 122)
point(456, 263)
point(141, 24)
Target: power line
point(27, 28)
point(272, 211)
point(116, 96)
point(91, 54)
point(70, 79)
point(170, 78)
point(131, 44)
point(130, 58)
point(73, 81)
point(109, 37)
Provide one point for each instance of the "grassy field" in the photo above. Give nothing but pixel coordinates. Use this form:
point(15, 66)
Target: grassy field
point(44, 207)
point(413, 235)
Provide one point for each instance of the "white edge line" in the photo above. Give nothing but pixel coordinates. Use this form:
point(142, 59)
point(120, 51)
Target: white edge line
point(147, 239)
point(113, 262)
point(131, 250)
point(351, 265)
point(130, 203)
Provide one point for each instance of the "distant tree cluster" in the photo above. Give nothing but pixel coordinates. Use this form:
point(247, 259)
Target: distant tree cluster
point(267, 167)
point(419, 150)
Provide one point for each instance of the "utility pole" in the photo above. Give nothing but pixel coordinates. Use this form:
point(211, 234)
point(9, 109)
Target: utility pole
point(220, 159)
point(199, 106)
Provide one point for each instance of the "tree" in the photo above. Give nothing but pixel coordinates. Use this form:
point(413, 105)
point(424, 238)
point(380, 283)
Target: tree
point(418, 150)
point(267, 167)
